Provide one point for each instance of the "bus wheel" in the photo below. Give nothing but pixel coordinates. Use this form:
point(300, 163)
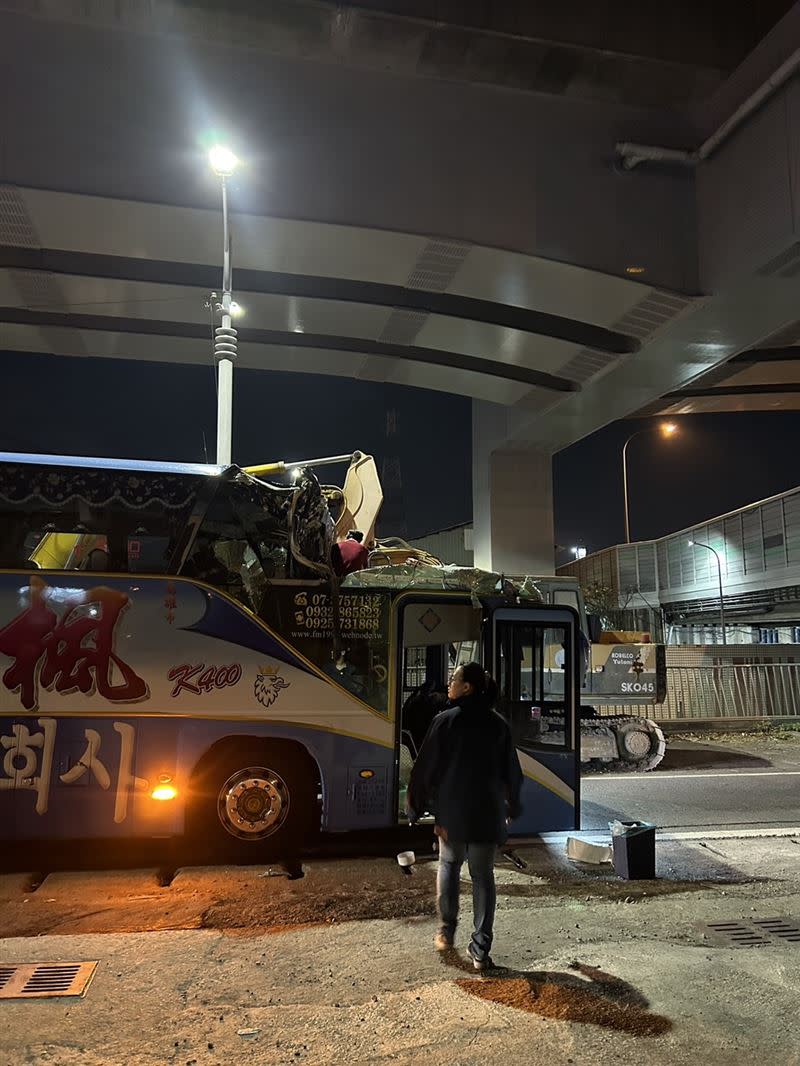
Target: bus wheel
point(254, 804)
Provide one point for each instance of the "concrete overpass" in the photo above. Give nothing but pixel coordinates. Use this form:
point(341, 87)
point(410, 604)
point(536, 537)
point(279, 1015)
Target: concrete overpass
point(428, 203)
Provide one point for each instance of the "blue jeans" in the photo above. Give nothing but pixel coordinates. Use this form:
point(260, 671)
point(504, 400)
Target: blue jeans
point(484, 896)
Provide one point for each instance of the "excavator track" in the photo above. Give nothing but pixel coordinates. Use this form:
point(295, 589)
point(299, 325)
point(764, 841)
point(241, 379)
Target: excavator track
point(628, 744)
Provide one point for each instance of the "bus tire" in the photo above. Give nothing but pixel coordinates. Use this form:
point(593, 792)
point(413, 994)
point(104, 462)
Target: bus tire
point(253, 801)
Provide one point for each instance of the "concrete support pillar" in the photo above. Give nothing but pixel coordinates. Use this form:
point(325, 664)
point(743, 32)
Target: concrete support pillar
point(512, 494)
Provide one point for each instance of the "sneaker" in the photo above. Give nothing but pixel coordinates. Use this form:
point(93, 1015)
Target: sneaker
point(443, 942)
point(480, 964)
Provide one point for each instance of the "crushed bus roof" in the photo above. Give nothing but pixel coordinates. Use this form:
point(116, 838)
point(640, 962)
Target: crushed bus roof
point(146, 466)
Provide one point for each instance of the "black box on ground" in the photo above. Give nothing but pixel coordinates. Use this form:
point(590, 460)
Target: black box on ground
point(634, 851)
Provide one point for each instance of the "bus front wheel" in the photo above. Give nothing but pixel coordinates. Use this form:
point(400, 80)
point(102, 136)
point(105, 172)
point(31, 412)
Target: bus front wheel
point(253, 803)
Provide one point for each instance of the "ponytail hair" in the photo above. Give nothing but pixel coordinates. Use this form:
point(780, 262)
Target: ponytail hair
point(481, 681)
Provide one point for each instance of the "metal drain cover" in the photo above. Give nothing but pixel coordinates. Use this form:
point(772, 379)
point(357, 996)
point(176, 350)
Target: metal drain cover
point(754, 932)
point(42, 980)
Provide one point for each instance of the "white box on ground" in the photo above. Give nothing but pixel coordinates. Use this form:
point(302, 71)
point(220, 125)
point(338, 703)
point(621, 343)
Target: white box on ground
point(582, 851)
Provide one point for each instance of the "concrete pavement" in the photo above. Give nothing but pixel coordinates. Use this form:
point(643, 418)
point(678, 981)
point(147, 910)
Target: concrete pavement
point(226, 965)
point(596, 970)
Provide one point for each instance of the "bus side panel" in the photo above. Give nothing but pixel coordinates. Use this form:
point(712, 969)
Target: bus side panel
point(108, 682)
point(355, 775)
point(549, 793)
point(92, 777)
point(98, 791)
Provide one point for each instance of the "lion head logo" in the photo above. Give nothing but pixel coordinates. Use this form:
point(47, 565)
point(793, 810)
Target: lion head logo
point(268, 685)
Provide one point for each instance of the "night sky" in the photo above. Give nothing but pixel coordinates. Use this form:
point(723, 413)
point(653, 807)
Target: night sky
point(159, 411)
point(715, 464)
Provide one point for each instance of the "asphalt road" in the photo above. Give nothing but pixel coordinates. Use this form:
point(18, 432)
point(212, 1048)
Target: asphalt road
point(701, 785)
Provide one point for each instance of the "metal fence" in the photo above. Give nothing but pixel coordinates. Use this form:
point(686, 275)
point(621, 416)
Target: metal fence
point(742, 690)
point(729, 690)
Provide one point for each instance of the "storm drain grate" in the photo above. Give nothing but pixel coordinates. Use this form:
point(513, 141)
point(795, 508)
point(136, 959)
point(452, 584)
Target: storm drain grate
point(45, 979)
point(780, 927)
point(755, 933)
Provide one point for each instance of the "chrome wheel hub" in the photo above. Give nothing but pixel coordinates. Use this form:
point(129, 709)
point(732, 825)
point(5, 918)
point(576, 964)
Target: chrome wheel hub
point(253, 803)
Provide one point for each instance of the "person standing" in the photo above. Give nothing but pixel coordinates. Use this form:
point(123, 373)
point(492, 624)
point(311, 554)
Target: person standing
point(468, 776)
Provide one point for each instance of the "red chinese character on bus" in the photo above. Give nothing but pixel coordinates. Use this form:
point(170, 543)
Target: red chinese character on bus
point(74, 651)
point(170, 602)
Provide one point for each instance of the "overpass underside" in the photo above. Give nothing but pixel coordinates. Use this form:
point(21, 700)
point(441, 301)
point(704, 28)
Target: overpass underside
point(437, 208)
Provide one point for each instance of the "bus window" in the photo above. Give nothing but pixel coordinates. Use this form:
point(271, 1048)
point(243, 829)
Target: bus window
point(531, 683)
point(146, 553)
point(463, 652)
point(222, 555)
point(58, 550)
point(57, 517)
point(436, 638)
point(415, 669)
point(218, 562)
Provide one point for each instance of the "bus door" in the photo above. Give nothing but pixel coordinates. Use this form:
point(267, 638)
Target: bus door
point(436, 636)
point(535, 664)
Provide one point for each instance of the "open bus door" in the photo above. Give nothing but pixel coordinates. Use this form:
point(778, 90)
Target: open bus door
point(533, 655)
point(535, 662)
point(433, 630)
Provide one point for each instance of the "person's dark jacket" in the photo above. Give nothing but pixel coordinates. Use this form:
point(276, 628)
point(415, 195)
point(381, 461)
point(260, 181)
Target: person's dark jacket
point(467, 774)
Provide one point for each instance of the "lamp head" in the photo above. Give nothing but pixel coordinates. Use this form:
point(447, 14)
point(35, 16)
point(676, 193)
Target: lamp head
point(668, 429)
point(222, 160)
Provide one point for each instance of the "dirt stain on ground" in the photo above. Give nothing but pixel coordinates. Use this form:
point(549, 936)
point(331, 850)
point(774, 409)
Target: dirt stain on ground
point(611, 890)
point(229, 900)
point(588, 995)
point(306, 909)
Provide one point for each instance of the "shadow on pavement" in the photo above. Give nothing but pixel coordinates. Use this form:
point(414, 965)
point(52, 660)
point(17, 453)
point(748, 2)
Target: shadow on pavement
point(595, 816)
point(684, 755)
point(587, 995)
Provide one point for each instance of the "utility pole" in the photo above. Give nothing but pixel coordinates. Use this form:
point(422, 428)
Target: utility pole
point(223, 163)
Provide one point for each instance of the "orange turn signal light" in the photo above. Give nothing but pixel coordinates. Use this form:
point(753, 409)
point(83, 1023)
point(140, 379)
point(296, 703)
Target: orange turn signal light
point(164, 790)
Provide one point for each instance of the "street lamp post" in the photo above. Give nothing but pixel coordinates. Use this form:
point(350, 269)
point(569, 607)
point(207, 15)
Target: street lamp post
point(698, 544)
point(667, 429)
point(223, 163)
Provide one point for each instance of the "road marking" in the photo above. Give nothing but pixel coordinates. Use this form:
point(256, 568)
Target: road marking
point(598, 836)
point(729, 834)
point(671, 775)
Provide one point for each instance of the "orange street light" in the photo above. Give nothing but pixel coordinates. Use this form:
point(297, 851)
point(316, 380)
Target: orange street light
point(667, 430)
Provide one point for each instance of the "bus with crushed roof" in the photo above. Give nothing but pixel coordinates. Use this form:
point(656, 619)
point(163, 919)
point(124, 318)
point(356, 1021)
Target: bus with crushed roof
point(180, 659)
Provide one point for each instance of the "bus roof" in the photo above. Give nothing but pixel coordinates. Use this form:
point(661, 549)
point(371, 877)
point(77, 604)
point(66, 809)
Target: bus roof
point(144, 466)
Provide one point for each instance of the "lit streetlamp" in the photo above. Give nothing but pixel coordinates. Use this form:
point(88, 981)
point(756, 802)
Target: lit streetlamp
point(667, 430)
point(223, 162)
point(698, 544)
